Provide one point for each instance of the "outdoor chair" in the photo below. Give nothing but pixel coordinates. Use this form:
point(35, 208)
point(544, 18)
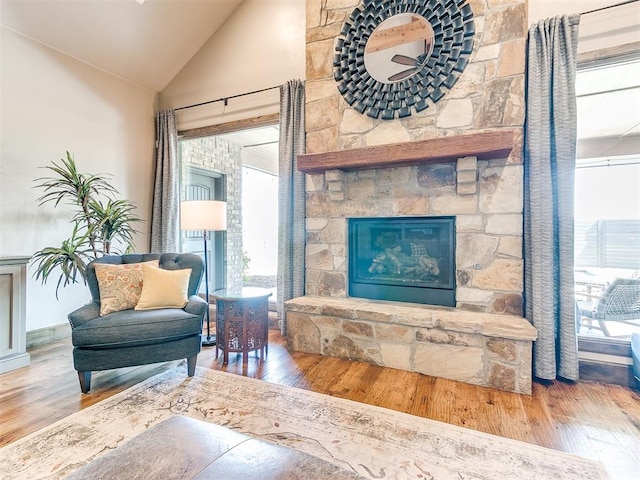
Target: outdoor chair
point(145, 309)
point(620, 302)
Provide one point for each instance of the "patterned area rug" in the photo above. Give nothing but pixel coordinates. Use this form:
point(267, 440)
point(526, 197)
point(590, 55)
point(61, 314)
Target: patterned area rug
point(371, 441)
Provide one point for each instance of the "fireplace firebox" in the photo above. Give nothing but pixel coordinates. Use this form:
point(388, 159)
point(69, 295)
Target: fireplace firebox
point(405, 259)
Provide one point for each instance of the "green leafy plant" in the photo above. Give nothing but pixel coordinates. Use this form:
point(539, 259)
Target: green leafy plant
point(102, 225)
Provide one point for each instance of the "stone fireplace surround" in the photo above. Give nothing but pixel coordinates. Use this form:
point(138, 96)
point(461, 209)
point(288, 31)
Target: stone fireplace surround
point(484, 340)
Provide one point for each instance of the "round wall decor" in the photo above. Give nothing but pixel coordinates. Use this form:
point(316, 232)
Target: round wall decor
point(395, 55)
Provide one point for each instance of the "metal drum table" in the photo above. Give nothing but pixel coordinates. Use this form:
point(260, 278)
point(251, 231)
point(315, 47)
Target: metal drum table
point(242, 322)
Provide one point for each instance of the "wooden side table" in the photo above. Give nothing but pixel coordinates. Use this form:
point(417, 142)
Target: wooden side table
point(242, 322)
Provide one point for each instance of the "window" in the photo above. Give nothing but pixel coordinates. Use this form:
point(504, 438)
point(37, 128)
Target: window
point(607, 196)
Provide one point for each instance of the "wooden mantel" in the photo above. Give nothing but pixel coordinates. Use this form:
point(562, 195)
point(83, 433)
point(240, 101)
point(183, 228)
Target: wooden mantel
point(484, 145)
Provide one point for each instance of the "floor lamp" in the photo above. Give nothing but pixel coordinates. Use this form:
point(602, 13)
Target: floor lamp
point(205, 215)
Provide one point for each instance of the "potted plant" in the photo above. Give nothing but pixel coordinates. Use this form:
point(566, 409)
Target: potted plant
point(101, 224)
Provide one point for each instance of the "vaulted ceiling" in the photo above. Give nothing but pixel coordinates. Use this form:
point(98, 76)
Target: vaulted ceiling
point(145, 42)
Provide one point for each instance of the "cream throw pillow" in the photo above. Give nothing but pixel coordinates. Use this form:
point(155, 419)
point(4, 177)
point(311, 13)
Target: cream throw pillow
point(163, 288)
point(120, 285)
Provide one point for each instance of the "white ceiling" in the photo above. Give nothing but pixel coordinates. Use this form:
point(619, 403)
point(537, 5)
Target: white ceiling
point(608, 102)
point(146, 43)
point(258, 147)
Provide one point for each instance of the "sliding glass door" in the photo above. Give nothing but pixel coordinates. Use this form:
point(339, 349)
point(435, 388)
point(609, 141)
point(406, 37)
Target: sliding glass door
point(607, 198)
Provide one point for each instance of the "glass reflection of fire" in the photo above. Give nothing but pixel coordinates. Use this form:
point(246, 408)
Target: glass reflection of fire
point(402, 258)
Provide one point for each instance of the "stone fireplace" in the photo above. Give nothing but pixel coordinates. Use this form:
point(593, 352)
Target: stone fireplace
point(482, 340)
point(460, 158)
point(483, 194)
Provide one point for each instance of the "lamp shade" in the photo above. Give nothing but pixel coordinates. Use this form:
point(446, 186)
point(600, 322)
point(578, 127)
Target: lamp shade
point(203, 215)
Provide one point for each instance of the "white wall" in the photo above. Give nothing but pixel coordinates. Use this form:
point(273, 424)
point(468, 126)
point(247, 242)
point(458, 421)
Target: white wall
point(51, 103)
point(608, 28)
point(261, 45)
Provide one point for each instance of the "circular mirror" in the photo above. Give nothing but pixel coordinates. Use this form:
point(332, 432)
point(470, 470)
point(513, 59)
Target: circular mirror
point(378, 78)
point(398, 48)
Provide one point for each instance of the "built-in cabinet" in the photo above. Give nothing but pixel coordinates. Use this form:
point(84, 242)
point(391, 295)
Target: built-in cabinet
point(13, 331)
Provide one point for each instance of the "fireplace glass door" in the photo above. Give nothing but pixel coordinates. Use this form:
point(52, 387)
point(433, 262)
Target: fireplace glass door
point(405, 259)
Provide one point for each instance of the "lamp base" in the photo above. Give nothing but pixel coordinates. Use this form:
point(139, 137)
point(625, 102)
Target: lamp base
point(209, 342)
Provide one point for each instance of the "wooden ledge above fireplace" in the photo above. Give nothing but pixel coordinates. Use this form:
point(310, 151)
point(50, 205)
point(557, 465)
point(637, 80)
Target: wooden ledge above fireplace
point(484, 145)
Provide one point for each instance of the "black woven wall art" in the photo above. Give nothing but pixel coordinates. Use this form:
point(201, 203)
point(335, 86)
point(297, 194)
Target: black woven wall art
point(431, 77)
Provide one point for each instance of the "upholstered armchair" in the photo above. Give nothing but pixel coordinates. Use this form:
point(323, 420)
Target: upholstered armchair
point(145, 309)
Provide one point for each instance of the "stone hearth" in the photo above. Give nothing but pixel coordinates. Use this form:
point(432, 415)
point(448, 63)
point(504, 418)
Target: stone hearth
point(477, 348)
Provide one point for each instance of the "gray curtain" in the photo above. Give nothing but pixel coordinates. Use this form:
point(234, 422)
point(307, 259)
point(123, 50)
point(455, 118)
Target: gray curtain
point(550, 153)
point(291, 197)
point(164, 217)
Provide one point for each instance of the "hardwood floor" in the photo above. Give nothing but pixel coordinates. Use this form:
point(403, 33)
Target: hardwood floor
point(596, 421)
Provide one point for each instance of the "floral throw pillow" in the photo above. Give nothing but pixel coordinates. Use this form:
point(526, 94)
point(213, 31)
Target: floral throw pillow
point(120, 285)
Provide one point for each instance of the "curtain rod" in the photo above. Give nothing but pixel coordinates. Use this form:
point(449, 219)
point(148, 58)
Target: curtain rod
point(610, 6)
point(226, 99)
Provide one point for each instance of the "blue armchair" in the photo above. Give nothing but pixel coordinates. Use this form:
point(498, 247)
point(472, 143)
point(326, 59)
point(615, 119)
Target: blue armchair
point(138, 337)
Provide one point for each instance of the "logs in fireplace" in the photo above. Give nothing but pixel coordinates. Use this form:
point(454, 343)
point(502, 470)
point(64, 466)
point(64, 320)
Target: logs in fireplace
point(405, 259)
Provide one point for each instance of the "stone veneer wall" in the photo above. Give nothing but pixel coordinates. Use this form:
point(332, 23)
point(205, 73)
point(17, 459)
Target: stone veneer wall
point(489, 265)
point(489, 94)
point(219, 156)
point(486, 196)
